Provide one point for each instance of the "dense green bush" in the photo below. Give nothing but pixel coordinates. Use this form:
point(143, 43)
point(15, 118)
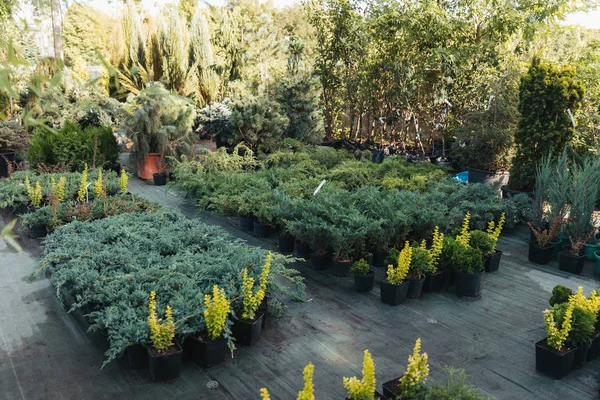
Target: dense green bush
point(111, 265)
point(582, 326)
point(74, 147)
point(480, 240)
point(560, 294)
point(454, 387)
point(465, 259)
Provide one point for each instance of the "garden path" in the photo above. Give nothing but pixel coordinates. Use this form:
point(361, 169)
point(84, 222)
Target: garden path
point(46, 353)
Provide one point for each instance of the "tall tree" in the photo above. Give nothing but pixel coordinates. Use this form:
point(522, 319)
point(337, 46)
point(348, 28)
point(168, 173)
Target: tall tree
point(201, 60)
point(57, 30)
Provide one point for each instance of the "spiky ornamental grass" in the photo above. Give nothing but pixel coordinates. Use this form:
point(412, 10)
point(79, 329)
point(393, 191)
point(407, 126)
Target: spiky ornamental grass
point(112, 264)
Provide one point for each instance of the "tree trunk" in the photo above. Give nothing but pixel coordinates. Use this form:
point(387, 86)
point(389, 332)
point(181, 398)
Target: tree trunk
point(57, 30)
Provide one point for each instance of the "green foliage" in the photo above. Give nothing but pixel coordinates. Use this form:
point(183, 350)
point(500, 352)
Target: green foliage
point(361, 267)
point(464, 259)
point(560, 294)
point(73, 146)
point(545, 95)
point(12, 138)
point(480, 240)
point(582, 326)
point(420, 262)
point(113, 263)
point(454, 387)
point(258, 122)
point(86, 32)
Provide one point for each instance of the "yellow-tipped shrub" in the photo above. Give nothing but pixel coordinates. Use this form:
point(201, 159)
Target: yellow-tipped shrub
point(494, 230)
point(308, 392)
point(99, 185)
point(416, 373)
point(464, 237)
point(216, 309)
point(83, 185)
point(252, 301)
point(264, 394)
point(396, 275)
point(123, 181)
point(59, 193)
point(558, 336)
point(363, 389)
point(34, 192)
point(437, 246)
point(162, 333)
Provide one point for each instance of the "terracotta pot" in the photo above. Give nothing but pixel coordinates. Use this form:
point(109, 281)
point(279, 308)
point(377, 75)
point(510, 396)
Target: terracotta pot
point(147, 169)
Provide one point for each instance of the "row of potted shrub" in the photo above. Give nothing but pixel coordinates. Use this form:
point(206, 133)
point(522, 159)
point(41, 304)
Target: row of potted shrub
point(562, 223)
point(410, 385)
point(573, 328)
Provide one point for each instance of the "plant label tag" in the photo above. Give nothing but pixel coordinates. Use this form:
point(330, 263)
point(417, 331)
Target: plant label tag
point(319, 187)
point(572, 118)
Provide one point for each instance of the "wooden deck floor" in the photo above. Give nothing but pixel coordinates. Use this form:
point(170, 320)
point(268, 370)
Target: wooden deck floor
point(491, 338)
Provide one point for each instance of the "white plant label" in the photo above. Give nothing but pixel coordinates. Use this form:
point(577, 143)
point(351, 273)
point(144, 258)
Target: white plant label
point(447, 102)
point(319, 187)
point(572, 118)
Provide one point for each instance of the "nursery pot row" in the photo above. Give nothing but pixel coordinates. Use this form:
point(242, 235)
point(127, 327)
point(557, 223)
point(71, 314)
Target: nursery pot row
point(540, 255)
point(569, 263)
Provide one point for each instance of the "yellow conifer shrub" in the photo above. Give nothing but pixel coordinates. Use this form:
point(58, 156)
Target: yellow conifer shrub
point(396, 275)
point(59, 193)
point(162, 333)
point(83, 185)
point(363, 389)
point(416, 373)
point(494, 230)
point(437, 246)
point(558, 336)
point(216, 309)
point(592, 303)
point(34, 192)
point(123, 181)
point(99, 185)
point(464, 237)
point(264, 394)
point(252, 301)
point(308, 392)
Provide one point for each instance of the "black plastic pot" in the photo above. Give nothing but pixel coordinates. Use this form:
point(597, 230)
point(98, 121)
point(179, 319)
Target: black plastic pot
point(434, 282)
point(570, 263)
point(540, 255)
point(247, 332)
point(137, 356)
point(341, 268)
point(302, 250)
point(581, 353)
point(286, 244)
point(594, 348)
point(392, 389)
point(160, 179)
point(379, 258)
point(364, 282)
point(37, 231)
point(393, 294)
point(263, 308)
point(208, 353)
point(4, 157)
point(247, 224)
point(489, 177)
point(164, 367)
point(415, 288)
point(552, 362)
point(320, 262)
point(468, 285)
point(492, 261)
point(261, 230)
point(449, 278)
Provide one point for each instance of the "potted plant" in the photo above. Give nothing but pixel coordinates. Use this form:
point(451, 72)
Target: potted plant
point(594, 301)
point(411, 384)
point(541, 249)
point(364, 276)
point(492, 259)
point(13, 141)
point(247, 329)
point(481, 241)
point(164, 353)
point(591, 247)
point(363, 389)
point(584, 330)
point(314, 232)
point(394, 288)
point(466, 261)
point(259, 203)
point(160, 176)
point(307, 392)
point(434, 277)
point(420, 263)
point(552, 356)
point(210, 347)
point(585, 187)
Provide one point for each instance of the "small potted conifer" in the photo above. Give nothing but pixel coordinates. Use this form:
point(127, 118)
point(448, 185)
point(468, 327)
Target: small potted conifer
point(210, 347)
point(585, 318)
point(492, 259)
point(466, 261)
point(411, 385)
point(419, 264)
point(552, 356)
point(434, 277)
point(307, 392)
point(363, 389)
point(164, 353)
point(364, 276)
point(247, 329)
point(394, 288)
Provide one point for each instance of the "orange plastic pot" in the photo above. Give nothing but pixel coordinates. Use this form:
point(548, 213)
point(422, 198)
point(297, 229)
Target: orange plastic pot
point(148, 168)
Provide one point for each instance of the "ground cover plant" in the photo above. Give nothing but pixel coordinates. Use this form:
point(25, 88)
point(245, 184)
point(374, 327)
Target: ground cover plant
point(111, 265)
